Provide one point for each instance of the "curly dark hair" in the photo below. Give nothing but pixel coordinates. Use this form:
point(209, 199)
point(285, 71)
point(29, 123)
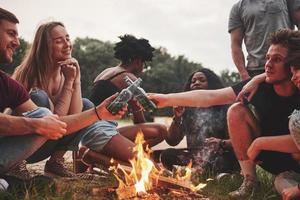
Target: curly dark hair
point(289, 39)
point(214, 82)
point(130, 48)
point(293, 59)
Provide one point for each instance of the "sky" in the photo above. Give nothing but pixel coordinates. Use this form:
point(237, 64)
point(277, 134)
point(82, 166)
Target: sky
point(196, 29)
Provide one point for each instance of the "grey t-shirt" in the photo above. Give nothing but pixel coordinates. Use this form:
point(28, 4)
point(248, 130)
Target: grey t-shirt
point(258, 19)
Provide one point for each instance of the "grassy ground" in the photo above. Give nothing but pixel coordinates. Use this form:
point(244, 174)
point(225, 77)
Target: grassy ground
point(69, 189)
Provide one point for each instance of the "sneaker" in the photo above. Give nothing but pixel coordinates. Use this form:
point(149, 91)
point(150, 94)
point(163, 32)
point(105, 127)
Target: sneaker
point(58, 168)
point(3, 185)
point(246, 190)
point(20, 171)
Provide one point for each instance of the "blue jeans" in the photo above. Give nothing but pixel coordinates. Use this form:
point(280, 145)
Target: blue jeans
point(14, 149)
point(94, 136)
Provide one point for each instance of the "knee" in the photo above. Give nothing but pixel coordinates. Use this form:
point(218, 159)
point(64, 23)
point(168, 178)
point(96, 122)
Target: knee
point(236, 113)
point(40, 98)
point(282, 181)
point(296, 156)
point(38, 113)
point(87, 104)
point(294, 123)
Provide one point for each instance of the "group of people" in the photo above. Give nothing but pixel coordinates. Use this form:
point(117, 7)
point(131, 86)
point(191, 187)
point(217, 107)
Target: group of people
point(249, 121)
point(258, 126)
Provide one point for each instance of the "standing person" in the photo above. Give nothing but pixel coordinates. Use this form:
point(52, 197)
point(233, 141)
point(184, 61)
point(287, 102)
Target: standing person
point(253, 22)
point(133, 53)
point(35, 133)
point(274, 101)
point(201, 126)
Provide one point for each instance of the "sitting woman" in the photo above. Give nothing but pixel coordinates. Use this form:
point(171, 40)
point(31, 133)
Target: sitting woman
point(205, 130)
point(133, 53)
point(53, 78)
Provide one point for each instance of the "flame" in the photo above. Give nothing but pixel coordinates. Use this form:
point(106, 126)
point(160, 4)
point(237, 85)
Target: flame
point(186, 177)
point(143, 172)
point(142, 166)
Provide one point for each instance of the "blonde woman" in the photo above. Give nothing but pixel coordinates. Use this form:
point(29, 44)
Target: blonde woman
point(53, 78)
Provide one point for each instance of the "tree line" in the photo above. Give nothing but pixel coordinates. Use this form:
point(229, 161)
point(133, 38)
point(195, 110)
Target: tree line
point(165, 74)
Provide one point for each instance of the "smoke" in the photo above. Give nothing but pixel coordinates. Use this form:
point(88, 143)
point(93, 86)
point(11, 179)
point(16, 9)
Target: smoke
point(201, 123)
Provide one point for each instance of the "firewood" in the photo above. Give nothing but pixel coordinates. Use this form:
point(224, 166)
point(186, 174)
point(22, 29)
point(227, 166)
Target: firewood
point(159, 180)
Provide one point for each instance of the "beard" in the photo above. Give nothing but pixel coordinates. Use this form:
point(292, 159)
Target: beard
point(4, 58)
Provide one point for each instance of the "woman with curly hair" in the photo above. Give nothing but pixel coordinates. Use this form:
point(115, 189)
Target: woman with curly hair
point(133, 53)
point(205, 130)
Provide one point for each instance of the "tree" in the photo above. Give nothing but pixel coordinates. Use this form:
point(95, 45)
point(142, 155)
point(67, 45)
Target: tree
point(230, 78)
point(93, 56)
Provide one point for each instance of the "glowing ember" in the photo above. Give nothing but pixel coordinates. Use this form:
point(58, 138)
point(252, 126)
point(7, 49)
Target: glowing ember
point(137, 179)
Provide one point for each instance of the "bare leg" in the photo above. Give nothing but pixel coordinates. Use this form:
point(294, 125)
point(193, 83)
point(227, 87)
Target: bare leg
point(243, 128)
point(154, 133)
point(119, 148)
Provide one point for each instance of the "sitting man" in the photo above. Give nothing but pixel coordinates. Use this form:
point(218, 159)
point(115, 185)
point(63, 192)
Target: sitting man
point(274, 101)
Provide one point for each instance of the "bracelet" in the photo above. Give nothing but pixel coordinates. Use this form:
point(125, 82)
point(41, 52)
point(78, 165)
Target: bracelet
point(99, 118)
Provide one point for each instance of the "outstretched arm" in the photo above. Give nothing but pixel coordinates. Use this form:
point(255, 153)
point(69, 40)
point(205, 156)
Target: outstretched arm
point(195, 98)
point(52, 126)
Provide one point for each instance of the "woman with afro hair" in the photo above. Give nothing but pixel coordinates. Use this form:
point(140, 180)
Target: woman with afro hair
point(132, 53)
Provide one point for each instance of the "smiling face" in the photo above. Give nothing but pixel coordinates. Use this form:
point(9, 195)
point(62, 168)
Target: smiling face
point(199, 81)
point(61, 44)
point(275, 69)
point(9, 41)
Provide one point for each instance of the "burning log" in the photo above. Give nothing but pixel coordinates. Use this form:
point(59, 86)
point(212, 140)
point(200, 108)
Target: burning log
point(143, 175)
point(165, 181)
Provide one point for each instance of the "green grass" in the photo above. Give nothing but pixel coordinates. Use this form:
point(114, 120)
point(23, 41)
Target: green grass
point(218, 190)
point(67, 189)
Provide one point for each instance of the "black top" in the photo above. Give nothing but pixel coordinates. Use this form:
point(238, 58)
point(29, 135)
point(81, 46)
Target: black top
point(273, 110)
point(103, 89)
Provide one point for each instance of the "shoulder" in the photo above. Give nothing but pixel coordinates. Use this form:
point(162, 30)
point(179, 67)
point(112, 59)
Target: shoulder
point(10, 83)
point(235, 16)
point(104, 74)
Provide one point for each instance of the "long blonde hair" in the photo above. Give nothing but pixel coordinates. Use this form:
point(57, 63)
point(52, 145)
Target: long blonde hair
point(37, 63)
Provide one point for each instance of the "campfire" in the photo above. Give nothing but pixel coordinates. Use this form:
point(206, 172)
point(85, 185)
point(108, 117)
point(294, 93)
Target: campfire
point(144, 176)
